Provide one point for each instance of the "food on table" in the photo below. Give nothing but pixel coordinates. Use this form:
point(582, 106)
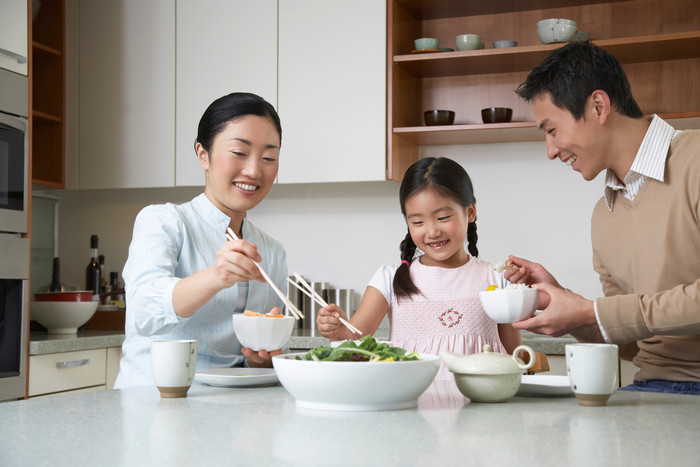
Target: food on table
point(260, 315)
point(368, 350)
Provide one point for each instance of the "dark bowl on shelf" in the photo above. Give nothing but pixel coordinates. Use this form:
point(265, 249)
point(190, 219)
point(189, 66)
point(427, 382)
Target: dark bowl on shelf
point(439, 117)
point(496, 114)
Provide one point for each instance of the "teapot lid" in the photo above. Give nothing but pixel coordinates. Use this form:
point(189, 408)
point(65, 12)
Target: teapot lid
point(490, 363)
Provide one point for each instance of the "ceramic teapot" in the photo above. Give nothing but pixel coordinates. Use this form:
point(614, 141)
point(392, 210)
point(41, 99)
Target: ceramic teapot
point(488, 376)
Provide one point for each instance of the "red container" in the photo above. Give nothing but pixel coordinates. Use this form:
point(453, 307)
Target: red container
point(69, 296)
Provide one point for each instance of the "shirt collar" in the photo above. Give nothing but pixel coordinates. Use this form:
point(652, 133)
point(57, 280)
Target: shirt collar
point(650, 160)
point(212, 214)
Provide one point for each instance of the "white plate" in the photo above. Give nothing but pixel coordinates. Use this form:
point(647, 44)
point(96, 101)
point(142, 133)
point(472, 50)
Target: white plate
point(544, 385)
point(237, 377)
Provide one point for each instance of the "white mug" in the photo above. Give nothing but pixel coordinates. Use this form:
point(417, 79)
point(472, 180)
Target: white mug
point(174, 363)
point(593, 372)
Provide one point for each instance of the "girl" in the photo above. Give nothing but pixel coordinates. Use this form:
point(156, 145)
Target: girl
point(183, 279)
point(432, 299)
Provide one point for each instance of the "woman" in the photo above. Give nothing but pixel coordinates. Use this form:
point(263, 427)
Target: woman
point(183, 279)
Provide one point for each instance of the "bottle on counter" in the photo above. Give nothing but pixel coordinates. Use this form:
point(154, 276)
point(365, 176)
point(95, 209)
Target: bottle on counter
point(93, 275)
point(103, 276)
point(115, 284)
point(56, 277)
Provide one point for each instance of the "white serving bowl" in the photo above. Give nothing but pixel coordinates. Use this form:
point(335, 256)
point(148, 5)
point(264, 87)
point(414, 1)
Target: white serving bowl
point(509, 305)
point(261, 333)
point(556, 30)
point(355, 386)
point(61, 317)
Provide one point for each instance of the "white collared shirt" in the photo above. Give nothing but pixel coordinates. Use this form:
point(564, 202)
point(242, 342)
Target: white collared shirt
point(171, 242)
point(650, 161)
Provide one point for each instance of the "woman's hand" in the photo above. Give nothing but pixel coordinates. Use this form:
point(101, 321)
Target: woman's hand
point(330, 326)
point(532, 274)
point(261, 358)
point(235, 263)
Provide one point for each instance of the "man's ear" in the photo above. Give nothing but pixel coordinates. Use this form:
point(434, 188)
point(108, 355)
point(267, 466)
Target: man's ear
point(600, 103)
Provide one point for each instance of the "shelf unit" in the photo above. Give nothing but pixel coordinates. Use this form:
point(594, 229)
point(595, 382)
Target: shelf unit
point(657, 41)
point(47, 81)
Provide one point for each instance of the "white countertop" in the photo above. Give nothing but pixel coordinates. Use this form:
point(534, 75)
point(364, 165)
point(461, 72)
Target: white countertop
point(262, 426)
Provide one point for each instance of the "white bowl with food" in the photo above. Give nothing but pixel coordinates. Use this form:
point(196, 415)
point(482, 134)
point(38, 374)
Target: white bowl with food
point(355, 385)
point(62, 317)
point(513, 303)
point(262, 332)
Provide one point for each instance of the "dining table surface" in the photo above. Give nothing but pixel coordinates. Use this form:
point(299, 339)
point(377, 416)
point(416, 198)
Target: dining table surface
point(261, 425)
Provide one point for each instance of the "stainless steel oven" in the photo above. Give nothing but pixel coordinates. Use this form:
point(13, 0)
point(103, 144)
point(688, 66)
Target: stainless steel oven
point(14, 248)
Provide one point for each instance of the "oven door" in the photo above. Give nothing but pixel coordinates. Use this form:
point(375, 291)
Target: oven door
point(14, 316)
point(14, 177)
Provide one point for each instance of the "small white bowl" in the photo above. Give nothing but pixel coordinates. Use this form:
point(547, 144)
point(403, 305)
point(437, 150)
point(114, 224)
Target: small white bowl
point(60, 317)
point(261, 333)
point(556, 30)
point(504, 44)
point(509, 306)
point(355, 386)
point(426, 43)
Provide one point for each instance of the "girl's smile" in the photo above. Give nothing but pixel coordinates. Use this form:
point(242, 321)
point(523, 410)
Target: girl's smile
point(438, 227)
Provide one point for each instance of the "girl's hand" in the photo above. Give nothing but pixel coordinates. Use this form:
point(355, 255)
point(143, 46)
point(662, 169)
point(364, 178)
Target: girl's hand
point(234, 263)
point(531, 274)
point(261, 358)
point(329, 325)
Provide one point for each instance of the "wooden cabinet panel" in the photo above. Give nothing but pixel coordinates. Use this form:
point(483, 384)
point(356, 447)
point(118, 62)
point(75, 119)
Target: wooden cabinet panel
point(332, 94)
point(223, 46)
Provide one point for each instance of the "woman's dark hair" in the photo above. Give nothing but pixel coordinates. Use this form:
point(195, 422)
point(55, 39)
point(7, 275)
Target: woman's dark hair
point(447, 178)
point(571, 73)
point(230, 107)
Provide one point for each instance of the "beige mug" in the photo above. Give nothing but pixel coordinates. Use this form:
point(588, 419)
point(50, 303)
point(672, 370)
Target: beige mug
point(174, 363)
point(593, 372)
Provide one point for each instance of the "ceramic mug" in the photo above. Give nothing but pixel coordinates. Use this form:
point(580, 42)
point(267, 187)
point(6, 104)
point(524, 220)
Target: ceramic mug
point(174, 363)
point(593, 372)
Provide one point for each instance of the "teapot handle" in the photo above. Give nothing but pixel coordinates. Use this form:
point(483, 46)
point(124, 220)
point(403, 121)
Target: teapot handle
point(530, 352)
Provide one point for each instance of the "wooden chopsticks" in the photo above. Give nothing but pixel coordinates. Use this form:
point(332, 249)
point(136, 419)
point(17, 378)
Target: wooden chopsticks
point(311, 293)
point(231, 236)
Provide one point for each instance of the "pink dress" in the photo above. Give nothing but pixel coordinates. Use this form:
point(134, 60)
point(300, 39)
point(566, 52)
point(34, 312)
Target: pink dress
point(448, 314)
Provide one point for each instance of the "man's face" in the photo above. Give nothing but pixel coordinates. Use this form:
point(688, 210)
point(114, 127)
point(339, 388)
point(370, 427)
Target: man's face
point(577, 143)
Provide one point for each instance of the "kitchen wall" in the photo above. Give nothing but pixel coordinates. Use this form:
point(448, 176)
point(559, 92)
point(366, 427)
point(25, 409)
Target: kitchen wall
point(340, 233)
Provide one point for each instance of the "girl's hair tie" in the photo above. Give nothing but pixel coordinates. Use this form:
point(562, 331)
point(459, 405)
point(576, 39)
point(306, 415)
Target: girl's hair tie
point(406, 263)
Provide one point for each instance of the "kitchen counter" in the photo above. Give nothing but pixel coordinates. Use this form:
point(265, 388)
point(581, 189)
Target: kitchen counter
point(262, 426)
point(42, 343)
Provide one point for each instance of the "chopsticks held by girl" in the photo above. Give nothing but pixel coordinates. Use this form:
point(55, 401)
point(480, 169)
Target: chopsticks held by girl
point(431, 296)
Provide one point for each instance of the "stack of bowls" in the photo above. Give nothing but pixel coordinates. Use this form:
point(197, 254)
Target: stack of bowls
point(556, 30)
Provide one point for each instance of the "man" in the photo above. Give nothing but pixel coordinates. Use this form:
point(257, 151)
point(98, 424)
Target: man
point(645, 230)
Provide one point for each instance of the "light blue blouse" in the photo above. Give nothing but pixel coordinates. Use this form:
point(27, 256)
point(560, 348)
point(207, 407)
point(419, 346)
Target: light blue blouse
point(175, 241)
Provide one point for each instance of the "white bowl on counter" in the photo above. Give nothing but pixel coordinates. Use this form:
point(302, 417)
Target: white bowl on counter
point(355, 386)
point(62, 317)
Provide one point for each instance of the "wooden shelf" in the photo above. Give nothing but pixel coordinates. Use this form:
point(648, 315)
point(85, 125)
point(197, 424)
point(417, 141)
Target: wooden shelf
point(422, 10)
point(658, 47)
point(40, 49)
point(511, 132)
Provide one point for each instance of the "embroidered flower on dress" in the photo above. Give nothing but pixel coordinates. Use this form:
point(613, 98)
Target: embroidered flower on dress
point(450, 318)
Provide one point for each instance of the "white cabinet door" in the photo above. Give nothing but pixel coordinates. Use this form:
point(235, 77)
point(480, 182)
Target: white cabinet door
point(126, 101)
point(223, 46)
point(332, 90)
point(13, 36)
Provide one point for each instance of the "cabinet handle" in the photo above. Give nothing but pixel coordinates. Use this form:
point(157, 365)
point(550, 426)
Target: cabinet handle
point(83, 362)
point(18, 57)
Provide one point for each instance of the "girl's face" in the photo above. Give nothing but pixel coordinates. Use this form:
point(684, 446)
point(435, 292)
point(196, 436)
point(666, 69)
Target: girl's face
point(241, 166)
point(438, 226)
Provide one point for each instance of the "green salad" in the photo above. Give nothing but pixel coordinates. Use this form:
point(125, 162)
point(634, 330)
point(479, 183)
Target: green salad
point(366, 349)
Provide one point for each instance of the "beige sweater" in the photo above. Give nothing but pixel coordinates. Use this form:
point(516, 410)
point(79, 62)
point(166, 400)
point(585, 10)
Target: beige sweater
point(647, 253)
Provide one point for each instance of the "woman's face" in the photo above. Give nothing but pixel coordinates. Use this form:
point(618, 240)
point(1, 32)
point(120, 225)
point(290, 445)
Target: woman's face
point(242, 165)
